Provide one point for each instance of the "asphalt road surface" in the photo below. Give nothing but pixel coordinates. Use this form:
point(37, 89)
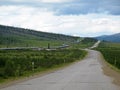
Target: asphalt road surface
point(83, 75)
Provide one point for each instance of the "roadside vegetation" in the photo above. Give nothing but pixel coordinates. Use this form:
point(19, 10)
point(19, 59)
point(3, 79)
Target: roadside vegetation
point(50, 50)
point(111, 53)
point(16, 63)
point(84, 43)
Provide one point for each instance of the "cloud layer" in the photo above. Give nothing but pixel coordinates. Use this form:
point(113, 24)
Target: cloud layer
point(72, 17)
point(74, 7)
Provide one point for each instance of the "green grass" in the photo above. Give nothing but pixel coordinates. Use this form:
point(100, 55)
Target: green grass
point(109, 45)
point(33, 43)
point(82, 45)
point(111, 53)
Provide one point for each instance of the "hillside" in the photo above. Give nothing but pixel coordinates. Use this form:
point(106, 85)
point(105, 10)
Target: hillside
point(14, 36)
point(110, 38)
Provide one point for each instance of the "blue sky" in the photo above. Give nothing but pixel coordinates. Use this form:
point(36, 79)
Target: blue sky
point(71, 17)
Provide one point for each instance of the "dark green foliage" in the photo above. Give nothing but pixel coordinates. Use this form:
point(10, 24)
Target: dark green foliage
point(87, 40)
point(111, 53)
point(16, 62)
point(48, 46)
point(9, 68)
point(84, 43)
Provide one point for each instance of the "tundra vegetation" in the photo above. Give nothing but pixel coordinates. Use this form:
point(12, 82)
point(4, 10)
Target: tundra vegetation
point(111, 52)
point(62, 49)
point(14, 63)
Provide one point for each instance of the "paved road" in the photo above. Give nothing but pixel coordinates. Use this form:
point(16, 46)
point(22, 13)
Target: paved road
point(84, 75)
point(95, 45)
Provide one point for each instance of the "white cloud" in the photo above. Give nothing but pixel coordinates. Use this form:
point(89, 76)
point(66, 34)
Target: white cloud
point(53, 1)
point(44, 20)
point(44, 1)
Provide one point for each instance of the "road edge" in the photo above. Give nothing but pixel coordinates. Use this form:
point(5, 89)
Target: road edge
point(109, 71)
point(40, 74)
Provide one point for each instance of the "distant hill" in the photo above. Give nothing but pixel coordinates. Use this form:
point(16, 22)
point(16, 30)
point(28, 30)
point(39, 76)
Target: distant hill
point(14, 36)
point(87, 40)
point(110, 38)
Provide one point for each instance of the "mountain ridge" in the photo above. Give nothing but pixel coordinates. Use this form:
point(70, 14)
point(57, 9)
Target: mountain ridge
point(110, 38)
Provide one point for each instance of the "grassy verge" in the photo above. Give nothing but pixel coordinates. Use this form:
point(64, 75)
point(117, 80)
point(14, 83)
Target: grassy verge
point(29, 75)
point(45, 62)
point(112, 66)
point(111, 53)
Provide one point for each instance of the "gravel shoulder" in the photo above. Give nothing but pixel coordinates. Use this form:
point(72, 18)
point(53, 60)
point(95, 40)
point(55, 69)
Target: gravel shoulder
point(110, 71)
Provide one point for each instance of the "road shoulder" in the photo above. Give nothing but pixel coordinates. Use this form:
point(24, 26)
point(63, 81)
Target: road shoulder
point(109, 71)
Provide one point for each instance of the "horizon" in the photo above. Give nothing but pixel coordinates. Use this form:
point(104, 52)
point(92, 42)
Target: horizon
point(70, 17)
